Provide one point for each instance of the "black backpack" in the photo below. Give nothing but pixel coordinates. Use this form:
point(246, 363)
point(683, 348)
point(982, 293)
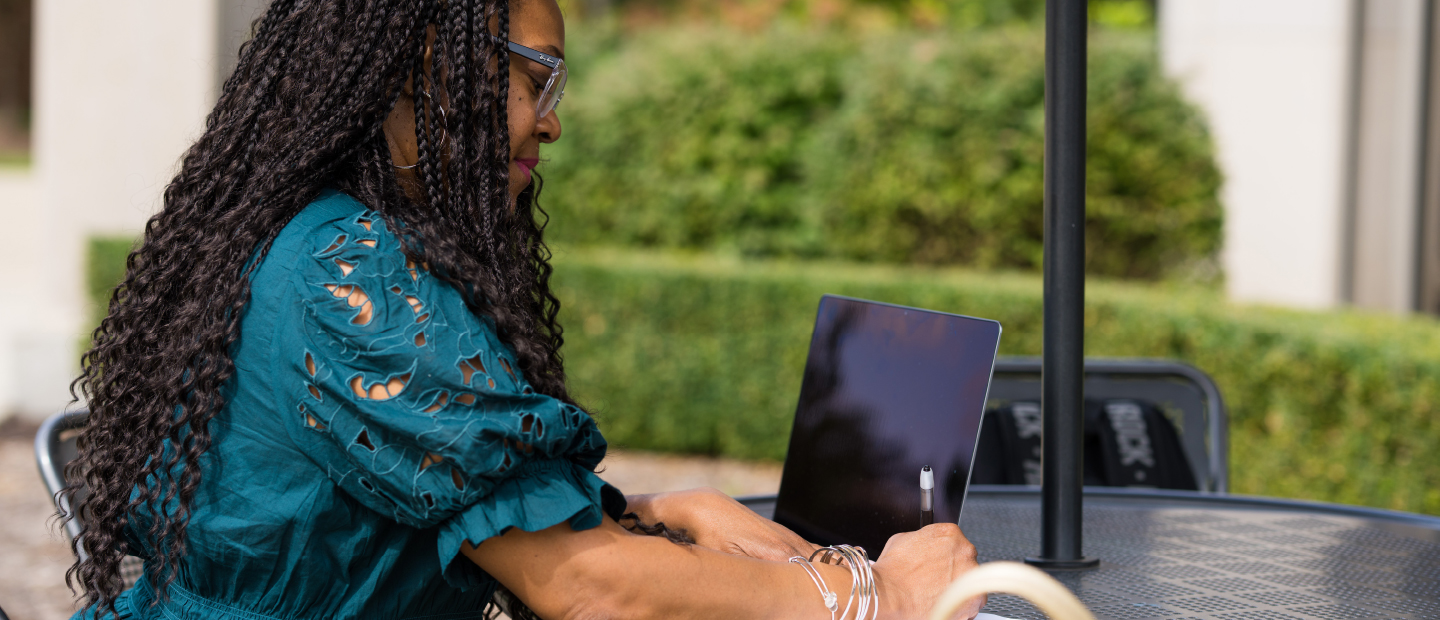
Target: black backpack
point(1128, 443)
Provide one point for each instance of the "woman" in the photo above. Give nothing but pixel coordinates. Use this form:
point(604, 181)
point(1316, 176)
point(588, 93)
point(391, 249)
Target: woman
point(331, 385)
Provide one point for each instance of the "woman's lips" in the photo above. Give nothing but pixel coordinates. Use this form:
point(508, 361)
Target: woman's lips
point(527, 164)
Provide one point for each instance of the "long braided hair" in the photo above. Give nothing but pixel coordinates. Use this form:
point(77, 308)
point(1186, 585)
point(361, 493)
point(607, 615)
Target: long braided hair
point(302, 111)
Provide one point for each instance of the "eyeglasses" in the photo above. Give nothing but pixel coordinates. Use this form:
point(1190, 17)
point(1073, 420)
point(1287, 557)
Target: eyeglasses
point(554, 87)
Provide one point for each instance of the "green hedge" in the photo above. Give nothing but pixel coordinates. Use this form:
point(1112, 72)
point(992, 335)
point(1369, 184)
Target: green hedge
point(704, 355)
point(104, 270)
point(901, 147)
point(700, 354)
point(956, 14)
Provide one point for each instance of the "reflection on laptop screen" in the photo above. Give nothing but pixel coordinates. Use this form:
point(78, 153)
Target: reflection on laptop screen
point(887, 390)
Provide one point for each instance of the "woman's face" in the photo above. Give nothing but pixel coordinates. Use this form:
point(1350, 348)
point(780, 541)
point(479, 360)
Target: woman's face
point(536, 24)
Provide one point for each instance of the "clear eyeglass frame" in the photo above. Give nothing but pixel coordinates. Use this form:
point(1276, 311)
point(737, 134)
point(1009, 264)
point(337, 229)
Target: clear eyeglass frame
point(554, 87)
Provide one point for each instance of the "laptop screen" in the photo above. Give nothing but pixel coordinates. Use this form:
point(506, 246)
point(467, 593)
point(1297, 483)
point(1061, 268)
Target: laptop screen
point(887, 390)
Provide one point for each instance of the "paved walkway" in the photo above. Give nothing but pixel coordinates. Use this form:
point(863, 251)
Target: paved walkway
point(34, 556)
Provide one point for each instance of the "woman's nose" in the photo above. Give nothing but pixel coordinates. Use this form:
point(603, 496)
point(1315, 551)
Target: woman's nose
point(548, 127)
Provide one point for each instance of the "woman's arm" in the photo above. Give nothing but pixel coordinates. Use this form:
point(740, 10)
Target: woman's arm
point(608, 572)
point(716, 521)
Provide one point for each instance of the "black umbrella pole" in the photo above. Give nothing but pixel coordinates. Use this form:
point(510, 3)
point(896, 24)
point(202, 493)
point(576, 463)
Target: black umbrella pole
point(1062, 372)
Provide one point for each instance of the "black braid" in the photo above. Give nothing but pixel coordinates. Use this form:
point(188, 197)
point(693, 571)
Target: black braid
point(302, 111)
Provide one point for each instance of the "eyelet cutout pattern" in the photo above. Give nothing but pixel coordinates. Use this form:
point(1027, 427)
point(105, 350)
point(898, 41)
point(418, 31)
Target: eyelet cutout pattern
point(335, 245)
point(440, 402)
point(418, 307)
point(530, 423)
point(469, 368)
point(310, 419)
point(355, 298)
point(470, 426)
point(520, 445)
point(379, 390)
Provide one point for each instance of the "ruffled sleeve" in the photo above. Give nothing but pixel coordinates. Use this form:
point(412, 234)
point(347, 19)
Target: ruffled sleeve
point(416, 409)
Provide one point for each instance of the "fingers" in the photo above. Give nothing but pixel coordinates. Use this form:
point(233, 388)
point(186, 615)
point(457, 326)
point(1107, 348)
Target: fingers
point(919, 565)
point(801, 546)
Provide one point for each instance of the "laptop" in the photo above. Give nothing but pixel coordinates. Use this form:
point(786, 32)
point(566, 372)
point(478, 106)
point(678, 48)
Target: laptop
point(887, 390)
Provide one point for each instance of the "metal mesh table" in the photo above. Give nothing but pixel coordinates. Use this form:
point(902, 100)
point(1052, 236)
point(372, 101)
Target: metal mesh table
point(1177, 556)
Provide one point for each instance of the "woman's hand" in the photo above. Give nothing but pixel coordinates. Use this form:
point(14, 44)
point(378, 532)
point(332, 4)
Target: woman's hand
point(718, 522)
point(916, 567)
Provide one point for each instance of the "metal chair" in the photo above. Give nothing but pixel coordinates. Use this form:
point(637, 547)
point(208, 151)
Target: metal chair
point(1187, 395)
point(55, 448)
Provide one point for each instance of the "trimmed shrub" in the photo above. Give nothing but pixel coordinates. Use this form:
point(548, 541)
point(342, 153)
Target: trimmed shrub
point(104, 270)
point(904, 147)
point(704, 355)
point(694, 140)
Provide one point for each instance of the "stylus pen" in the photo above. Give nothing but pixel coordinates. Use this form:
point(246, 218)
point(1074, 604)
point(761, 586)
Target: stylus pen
point(927, 496)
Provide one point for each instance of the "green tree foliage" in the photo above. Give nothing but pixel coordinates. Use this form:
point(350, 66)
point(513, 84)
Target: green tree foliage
point(898, 147)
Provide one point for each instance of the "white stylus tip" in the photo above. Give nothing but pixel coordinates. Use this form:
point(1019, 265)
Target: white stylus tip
point(927, 478)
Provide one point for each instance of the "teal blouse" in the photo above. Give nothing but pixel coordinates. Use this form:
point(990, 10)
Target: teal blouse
point(373, 425)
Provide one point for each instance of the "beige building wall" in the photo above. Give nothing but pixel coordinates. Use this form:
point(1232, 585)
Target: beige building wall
point(1384, 256)
point(1272, 76)
point(121, 90)
point(27, 340)
point(1318, 109)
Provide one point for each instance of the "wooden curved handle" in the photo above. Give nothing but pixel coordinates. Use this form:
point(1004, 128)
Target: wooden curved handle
point(1028, 582)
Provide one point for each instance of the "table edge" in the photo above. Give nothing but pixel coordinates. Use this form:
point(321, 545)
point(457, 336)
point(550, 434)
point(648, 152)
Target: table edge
point(1210, 499)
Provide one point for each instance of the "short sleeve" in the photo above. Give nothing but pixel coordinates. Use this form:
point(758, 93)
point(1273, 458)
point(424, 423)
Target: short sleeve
point(416, 409)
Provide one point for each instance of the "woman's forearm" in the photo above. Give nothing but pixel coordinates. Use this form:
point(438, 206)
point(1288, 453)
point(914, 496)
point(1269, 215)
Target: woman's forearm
point(607, 572)
point(716, 521)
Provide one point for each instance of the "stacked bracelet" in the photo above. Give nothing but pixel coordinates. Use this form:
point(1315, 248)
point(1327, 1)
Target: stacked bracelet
point(863, 594)
point(825, 593)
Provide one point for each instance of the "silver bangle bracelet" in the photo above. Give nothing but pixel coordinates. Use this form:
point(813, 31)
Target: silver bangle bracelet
point(825, 593)
point(863, 595)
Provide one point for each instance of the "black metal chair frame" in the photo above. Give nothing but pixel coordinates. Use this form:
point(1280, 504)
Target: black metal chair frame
point(52, 454)
point(1204, 430)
